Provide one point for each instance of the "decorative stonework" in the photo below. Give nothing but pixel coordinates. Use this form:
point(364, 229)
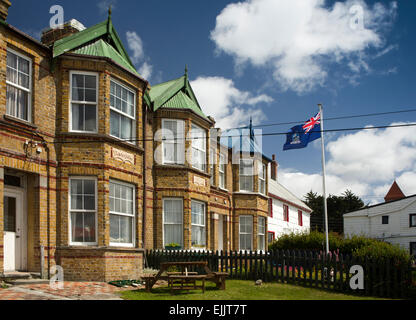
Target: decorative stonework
point(122, 156)
point(199, 181)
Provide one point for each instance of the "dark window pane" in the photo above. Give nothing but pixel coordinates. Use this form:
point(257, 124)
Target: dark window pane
point(77, 117)
point(91, 82)
point(12, 181)
point(90, 118)
point(9, 214)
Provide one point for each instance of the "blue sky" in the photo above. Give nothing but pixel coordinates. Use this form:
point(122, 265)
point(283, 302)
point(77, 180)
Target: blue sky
point(275, 60)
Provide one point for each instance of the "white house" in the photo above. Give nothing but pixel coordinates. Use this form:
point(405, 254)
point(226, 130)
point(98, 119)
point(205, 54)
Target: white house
point(287, 213)
point(393, 221)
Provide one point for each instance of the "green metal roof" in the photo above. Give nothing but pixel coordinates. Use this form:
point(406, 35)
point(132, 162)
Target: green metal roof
point(99, 40)
point(175, 94)
point(100, 48)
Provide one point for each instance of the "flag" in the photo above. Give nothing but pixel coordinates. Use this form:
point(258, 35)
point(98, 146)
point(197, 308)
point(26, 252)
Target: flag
point(299, 136)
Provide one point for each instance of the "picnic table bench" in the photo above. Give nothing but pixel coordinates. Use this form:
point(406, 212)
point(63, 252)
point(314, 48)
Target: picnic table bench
point(186, 282)
point(185, 278)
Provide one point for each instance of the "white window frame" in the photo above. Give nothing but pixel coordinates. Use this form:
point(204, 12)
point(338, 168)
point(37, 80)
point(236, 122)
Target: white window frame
point(70, 211)
point(203, 166)
point(125, 114)
point(178, 142)
point(212, 160)
point(245, 233)
point(261, 234)
point(163, 220)
point(85, 73)
point(204, 226)
point(247, 175)
point(223, 162)
point(262, 178)
point(29, 91)
point(133, 216)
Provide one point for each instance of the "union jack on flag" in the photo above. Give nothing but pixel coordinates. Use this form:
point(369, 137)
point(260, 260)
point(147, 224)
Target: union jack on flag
point(299, 136)
point(310, 124)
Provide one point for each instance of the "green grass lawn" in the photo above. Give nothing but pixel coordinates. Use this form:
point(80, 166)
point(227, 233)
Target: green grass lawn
point(242, 290)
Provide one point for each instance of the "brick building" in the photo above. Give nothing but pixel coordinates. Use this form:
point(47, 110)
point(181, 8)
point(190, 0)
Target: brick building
point(96, 165)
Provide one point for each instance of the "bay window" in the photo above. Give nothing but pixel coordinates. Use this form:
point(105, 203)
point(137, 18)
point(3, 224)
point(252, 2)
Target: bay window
point(122, 213)
point(83, 211)
point(199, 143)
point(246, 175)
point(262, 178)
point(172, 221)
point(84, 97)
point(198, 224)
point(173, 141)
point(18, 86)
point(222, 170)
point(122, 112)
point(261, 234)
point(212, 157)
point(246, 233)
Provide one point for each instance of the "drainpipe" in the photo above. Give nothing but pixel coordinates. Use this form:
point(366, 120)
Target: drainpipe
point(144, 179)
point(48, 207)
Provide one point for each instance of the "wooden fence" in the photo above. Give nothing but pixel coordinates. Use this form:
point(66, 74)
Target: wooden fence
point(306, 268)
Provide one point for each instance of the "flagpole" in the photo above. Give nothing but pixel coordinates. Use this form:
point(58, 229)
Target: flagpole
point(323, 178)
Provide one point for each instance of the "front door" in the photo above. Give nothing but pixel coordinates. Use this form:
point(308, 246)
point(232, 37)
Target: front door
point(14, 231)
point(221, 233)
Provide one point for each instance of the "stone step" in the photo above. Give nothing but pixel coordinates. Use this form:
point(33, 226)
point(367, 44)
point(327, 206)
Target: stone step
point(13, 276)
point(17, 282)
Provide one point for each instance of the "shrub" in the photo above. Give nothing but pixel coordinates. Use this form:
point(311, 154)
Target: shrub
point(380, 251)
point(357, 246)
point(306, 241)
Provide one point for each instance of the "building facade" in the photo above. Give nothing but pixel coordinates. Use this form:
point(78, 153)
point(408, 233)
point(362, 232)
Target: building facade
point(393, 221)
point(287, 213)
point(96, 165)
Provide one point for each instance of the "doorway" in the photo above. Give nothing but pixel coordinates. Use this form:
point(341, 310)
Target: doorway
point(15, 231)
point(221, 233)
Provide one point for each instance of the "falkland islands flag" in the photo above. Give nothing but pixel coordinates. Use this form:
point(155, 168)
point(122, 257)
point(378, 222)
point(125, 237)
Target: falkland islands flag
point(299, 136)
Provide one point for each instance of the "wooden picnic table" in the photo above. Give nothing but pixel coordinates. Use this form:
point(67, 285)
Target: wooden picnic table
point(186, 277)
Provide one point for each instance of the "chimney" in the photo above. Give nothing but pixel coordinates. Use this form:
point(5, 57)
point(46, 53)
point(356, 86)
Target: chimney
point(51, 35)
point(395, 193)
point(274, 165)
point(4, 9)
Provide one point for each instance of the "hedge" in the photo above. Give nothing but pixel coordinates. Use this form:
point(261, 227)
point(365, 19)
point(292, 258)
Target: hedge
point(357, 246)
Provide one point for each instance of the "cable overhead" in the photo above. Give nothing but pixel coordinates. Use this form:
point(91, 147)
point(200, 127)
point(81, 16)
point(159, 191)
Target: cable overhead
point(329, 119)
point(240, 135)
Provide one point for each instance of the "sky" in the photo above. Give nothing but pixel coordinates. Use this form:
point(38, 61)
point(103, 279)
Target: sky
point(275, 61)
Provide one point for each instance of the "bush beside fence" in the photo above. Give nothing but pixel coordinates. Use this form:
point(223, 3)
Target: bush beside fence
point(382, 278)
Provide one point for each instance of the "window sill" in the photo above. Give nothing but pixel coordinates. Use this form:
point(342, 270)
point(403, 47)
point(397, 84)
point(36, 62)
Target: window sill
point(20, 121)
point(100, 248)
point(102, 137)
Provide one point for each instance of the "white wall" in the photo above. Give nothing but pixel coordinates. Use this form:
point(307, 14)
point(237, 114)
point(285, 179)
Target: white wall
point(280, 227)
point(397, 231)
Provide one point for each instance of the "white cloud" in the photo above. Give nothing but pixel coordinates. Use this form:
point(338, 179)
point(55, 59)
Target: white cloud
point(146, 70)
point(376, 155)
point(135, 44)
point(220, 99)
point(299, 37)
point(366, 162)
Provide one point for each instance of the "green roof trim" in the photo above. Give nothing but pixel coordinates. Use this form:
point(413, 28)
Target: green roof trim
point(175, 94)
point(81, 43)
